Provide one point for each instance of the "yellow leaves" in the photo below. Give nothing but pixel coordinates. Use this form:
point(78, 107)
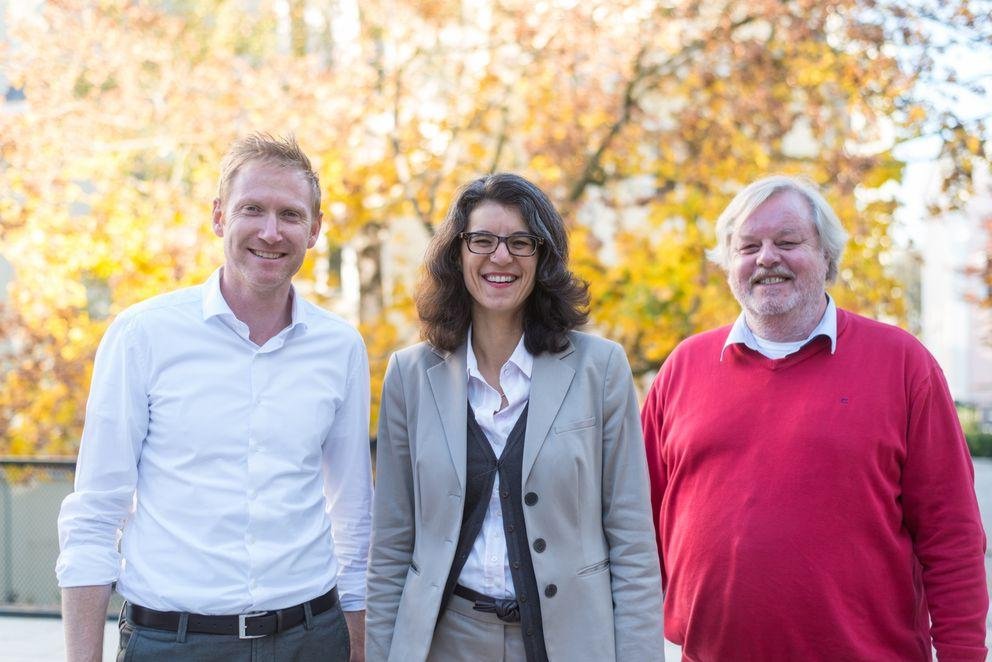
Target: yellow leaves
point(478, 152)
point(916, 114)
point(381, 339)
point(884, 171)
point(640, 121)
point(820, 65)
point(974, 145)
point(545, 168)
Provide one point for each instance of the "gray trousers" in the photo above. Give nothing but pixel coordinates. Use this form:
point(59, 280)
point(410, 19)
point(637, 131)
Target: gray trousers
point(474, 636)
point(321, 637)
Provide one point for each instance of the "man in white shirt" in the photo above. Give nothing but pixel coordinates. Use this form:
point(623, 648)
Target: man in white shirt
point(226, 443)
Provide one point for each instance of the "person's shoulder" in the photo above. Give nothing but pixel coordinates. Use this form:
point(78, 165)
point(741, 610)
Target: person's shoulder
point(162, 304)
point(584, 342)
point(871, 341)
point(705, 341)
point(867, 331)
point(330, 322)
point(418, 353)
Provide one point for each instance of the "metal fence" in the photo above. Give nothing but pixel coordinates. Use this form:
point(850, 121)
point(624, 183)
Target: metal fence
point(31, 492)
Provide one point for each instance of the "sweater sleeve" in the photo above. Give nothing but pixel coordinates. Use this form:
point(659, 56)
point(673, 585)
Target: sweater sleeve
point(941, 514)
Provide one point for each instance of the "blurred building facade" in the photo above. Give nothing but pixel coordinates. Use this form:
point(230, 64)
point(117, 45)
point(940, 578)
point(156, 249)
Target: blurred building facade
point(956, 256)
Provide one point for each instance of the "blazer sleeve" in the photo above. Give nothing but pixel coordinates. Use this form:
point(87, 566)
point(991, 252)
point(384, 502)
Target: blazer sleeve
point(635, 577)
point(392, 517)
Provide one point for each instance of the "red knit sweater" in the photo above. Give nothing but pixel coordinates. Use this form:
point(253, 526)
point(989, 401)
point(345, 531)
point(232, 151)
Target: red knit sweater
point(814, 507)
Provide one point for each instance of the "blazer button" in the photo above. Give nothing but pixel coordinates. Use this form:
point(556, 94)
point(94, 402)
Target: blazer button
point(550, 590)
point(522, 598)
point(540, 545)
point(504, 493)
point(530, 498)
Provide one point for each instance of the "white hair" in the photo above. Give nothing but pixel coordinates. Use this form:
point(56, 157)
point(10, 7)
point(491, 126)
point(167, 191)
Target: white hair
point(828, 227)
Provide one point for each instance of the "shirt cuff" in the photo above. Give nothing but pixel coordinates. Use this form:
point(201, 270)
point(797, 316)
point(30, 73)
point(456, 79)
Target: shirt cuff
point(352, 593)
point(87, 565)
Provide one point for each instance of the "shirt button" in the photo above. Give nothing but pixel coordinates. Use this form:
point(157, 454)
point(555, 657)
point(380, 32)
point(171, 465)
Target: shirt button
point(540, 545)
point(530, 498)
point(250, 539)
point(550, 590)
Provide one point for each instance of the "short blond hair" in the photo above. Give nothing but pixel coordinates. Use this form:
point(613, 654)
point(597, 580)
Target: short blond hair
point(263, 147)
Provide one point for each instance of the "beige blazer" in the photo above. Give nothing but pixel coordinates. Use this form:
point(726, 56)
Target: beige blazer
point(584, 459)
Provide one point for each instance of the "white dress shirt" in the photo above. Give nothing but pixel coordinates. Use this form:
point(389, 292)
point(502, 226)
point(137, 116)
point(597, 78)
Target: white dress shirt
point(487, 569)
point(240, 475)
point(741, 333)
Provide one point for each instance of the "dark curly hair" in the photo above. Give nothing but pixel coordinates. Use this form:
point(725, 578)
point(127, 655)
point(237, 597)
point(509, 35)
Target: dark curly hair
point(559, 301)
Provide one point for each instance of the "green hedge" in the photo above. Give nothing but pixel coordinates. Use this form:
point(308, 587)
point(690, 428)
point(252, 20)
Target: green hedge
point(979, 443)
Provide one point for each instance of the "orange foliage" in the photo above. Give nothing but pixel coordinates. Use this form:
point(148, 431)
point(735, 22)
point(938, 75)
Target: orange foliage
point(641, 119)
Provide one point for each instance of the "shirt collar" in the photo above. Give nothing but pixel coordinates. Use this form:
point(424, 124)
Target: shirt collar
point(521, 358)
point(741, 333)
point(215, 305)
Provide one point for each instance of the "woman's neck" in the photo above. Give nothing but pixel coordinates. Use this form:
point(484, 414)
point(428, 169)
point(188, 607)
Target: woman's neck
point(493, 342)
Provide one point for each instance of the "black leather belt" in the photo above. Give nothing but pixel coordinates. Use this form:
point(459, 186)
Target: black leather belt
point(245, 626)
point(506, 610)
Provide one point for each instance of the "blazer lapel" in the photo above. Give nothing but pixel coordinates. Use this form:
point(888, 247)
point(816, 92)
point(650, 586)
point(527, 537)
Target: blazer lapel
point(549, 382)
point(449, 381)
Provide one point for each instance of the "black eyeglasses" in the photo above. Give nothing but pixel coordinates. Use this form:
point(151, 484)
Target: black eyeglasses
point(486, 243)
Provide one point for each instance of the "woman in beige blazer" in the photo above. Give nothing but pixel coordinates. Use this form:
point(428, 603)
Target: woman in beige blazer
point(512, 515)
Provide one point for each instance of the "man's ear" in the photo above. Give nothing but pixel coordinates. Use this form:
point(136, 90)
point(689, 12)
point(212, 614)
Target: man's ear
point(218, 218)
point(315, 229)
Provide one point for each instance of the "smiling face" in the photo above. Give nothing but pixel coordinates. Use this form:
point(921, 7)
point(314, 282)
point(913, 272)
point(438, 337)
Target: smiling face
point(267, 226)
point(778, 269)
point(498, 283)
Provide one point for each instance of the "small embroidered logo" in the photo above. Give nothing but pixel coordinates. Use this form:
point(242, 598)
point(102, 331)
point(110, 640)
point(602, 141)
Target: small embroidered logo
point(844, 401)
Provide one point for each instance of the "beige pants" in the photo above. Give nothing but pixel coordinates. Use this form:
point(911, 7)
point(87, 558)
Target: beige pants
point(466, 634)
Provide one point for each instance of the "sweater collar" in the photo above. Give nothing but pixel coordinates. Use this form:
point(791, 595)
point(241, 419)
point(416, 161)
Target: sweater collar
point(740, 332)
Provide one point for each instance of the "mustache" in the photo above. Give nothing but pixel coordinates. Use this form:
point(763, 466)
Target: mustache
point(771, 273)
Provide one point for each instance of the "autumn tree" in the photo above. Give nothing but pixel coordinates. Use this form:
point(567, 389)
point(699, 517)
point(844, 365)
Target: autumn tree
point(640, 118)
point(643, 119)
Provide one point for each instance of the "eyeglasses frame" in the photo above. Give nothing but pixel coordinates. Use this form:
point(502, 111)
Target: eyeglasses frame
point(467, 236)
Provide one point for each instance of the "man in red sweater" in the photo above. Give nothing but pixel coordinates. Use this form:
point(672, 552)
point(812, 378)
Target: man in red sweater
point(812, 490)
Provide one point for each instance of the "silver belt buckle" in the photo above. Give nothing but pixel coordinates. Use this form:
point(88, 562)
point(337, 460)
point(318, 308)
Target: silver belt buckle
point(241, 625)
